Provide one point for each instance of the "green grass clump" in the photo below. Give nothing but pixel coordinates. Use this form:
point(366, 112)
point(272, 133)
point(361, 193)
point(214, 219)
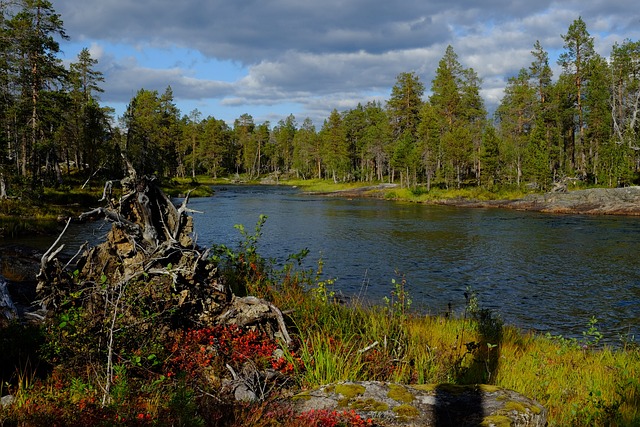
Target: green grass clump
point(421, 195)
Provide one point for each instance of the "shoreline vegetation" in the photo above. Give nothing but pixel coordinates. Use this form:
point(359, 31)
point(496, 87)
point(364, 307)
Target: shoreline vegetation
point(579, 381)
point(44, 212)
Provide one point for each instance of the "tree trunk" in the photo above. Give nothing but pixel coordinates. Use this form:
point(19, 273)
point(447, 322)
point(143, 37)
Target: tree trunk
point(3, 187)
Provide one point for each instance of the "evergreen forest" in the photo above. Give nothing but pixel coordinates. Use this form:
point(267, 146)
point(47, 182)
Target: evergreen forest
point(580, 125)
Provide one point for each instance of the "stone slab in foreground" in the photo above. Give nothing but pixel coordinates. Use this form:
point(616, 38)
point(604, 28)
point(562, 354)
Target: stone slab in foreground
point(426, 405)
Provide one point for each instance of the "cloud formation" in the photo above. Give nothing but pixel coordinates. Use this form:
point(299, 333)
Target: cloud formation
point(317, 56)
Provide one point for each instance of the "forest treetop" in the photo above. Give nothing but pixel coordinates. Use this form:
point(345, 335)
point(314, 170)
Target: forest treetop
point(581, 124)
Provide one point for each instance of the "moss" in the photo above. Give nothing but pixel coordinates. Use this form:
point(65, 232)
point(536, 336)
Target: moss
point(520, 407)
point(399, 393)
point(453, 388)
point(369, 405)
point(406, 410)
point(488, 388)
point(515, 406)
point(350, 391)
point(425, 387)
point(302, 396)
point(496, 420)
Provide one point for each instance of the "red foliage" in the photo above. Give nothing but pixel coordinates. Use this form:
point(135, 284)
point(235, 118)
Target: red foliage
point(326, 418)
point(216, 346)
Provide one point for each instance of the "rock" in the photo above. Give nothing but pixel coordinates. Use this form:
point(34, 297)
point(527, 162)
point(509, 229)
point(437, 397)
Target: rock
point(426, 405)
point(8, 311)
point(593, 201)
point(6, 400)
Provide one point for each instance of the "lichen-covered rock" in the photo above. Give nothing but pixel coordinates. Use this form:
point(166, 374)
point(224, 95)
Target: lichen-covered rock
point(592, 201)
point(426, 405)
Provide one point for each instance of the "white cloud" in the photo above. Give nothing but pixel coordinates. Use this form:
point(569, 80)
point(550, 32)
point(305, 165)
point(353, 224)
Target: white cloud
point(317, 56)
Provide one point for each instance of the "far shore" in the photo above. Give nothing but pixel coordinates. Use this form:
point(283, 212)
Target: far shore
point(593, 201)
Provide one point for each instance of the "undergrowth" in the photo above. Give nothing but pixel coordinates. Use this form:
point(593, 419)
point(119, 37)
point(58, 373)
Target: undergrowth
point(184, 380)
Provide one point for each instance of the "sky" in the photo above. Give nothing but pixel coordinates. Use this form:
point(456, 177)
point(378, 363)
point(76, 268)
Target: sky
point(273, 58)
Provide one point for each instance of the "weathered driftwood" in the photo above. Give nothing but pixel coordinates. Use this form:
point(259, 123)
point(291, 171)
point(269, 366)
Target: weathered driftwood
point(151, 243)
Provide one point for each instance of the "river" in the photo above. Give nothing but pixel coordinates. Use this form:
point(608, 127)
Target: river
point(548, 273)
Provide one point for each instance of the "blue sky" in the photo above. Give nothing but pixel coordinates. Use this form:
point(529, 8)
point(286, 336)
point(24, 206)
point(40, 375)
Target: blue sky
point(272, 58)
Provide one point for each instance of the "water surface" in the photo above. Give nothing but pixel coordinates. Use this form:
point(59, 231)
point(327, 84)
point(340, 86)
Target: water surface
point(549, 273)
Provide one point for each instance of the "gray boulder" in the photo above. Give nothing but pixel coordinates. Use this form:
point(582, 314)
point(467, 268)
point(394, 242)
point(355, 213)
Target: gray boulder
point(438, 405)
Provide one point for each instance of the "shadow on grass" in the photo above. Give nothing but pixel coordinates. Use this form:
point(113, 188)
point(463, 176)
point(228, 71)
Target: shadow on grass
point(462, 405)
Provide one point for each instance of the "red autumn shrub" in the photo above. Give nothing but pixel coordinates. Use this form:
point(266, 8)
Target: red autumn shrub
point(206, 349)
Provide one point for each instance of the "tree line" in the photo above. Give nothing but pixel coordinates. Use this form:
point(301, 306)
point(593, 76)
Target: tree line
point(583, 124)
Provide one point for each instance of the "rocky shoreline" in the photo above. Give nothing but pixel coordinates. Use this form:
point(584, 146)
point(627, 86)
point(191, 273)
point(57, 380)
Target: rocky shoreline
point(593, 201)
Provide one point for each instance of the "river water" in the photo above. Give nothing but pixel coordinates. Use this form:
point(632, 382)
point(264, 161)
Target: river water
point(548, 273)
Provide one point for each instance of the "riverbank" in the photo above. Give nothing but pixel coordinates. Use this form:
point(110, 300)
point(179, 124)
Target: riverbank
point(592, 201)
point(45, 211)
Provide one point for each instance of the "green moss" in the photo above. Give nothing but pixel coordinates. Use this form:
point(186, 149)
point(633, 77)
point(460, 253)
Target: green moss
point(520, 407)
point(425, 387)
point(350, 391)
point(399, 393)
point(453, 388)
point(488, 388)
point(406, 410)
point(369, 405)
point(496, 420)
point(515, 406)
point(302, 396)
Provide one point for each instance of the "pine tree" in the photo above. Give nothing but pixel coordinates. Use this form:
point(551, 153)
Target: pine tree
point(304, 143)
point(88, 123)
point(516, 115)
point(460, 111)
point(404, 105)
point(575, 61)
point(335, 153)
point(39, 73)
point(597, 115)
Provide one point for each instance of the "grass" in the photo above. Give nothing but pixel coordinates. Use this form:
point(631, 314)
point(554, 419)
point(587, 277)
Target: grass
point(421, 195)
point(417, 194)
point(578, 381)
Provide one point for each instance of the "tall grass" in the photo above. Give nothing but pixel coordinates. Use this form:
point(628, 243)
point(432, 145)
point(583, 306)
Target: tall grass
point(577, 384)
